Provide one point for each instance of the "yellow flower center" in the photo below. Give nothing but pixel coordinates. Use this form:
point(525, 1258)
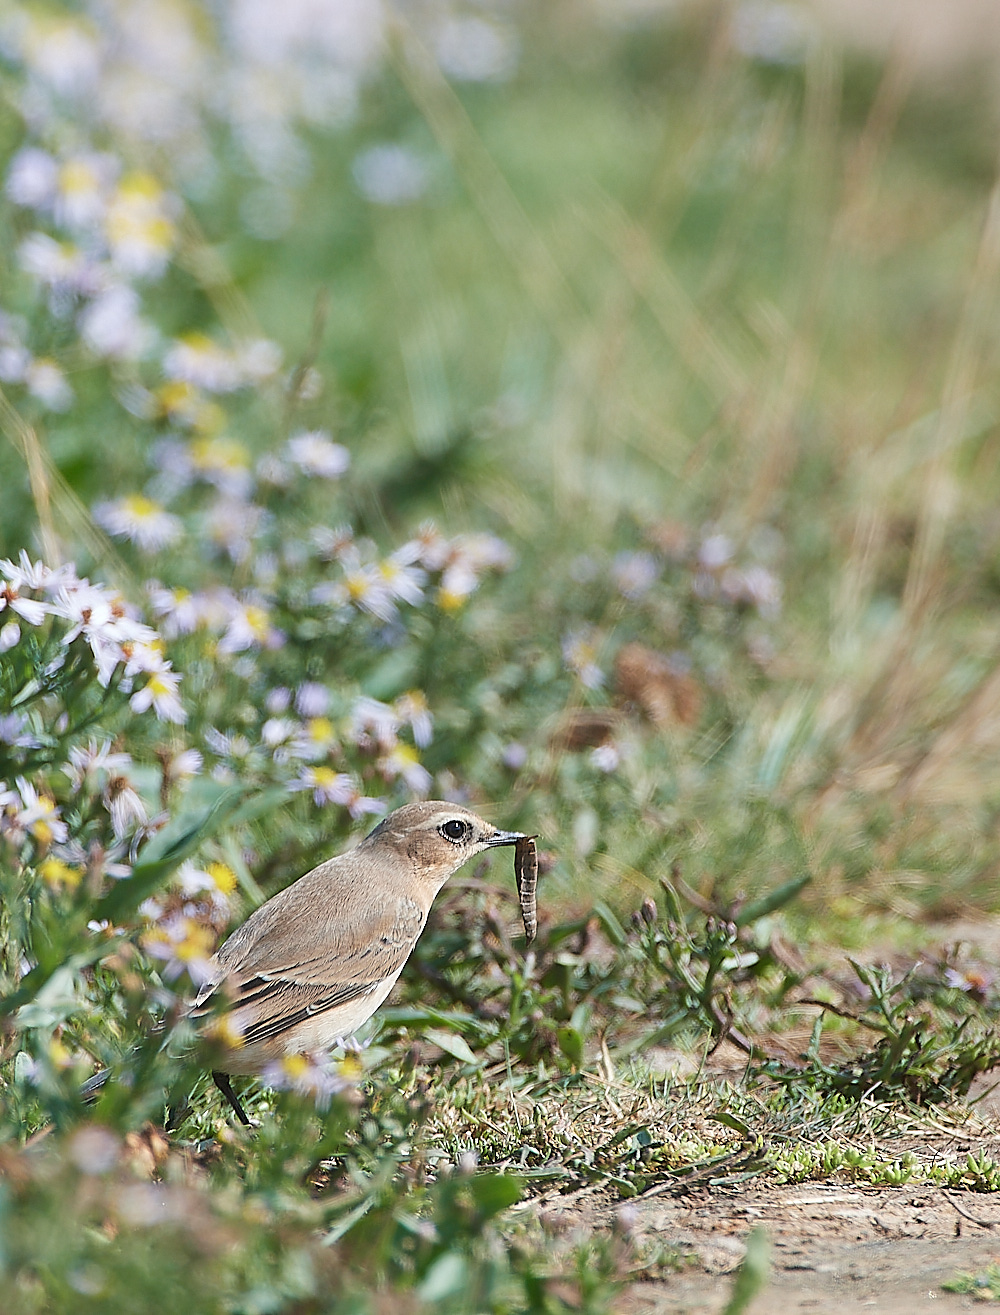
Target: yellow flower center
point(223, 876)
point(219, 454)
point(141, 507)
point(77, 176)
point(54, 872)
point(257, 620)
point(158, 684)
point(197, 943)
point(321, 729)
point(296, 1066)
point(140, 187)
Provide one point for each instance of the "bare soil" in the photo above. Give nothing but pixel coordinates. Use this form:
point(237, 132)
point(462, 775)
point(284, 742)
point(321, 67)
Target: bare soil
point(833, 1248)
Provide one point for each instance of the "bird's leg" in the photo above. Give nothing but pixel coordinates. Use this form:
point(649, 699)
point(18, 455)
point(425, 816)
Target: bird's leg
point(221, 1080)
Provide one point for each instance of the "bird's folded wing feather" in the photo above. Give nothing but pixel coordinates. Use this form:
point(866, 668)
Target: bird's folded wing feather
point(283, 977)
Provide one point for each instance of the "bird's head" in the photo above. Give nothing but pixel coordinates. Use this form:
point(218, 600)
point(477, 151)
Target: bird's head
point(433, 838)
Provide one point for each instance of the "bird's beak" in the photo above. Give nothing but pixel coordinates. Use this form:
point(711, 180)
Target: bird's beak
point(505, 838)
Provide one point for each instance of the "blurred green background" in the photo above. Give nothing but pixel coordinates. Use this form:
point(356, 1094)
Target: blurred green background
point(700, 270)
point(679, 322)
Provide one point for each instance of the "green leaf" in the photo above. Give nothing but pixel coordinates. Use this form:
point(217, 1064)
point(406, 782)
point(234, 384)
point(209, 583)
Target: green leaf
point(571, 1044)
point(674, 911)
point(623, 1134)
point(458, 1022)
point(447, 1276)
point(495, 1192)
point(55, 1001)
point(776, 899)
point(33, 983)
point(752, 1275)
point(731, 1121)
point(615, 931)
point(396, 672)
point(177, 841)
point(452, 1044)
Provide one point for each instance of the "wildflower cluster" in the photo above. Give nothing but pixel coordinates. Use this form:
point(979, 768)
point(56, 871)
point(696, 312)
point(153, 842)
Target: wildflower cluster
point(237, 519)
point(75, 624)
point(80, 667)
point(690, 573)
point(98, 86)
point(687, 609)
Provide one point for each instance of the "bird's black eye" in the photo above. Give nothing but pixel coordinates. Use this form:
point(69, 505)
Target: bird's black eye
point(456, 830)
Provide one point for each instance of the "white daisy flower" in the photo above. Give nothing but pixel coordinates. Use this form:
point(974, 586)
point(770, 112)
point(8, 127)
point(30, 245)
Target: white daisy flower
point(412, 708)
point(38, 816)
point(14, 730)
point(473, 50)
point(32, 179)
point(62, 53)
point(363, 586)
point(224, 462)
point(249, 627)
point(316, 454)
point(312, 699)
point(197, 359)
point(634, 573)
point(223, 745)
point(183, 766)
point(579, 650)
point(606, 757)
point(139, 226)
point(160, 694)
point(91, 610)
point(140, 520)
point(45, 381)
point(179, 610)
point(82, 189)
point(313, 1074)
point(390, 174)
point(402, 579)
point(111, 326)
point(93, 759)
point(233, 525)
point(26, 574)
point(259, 359)
point(327, 786)
point(330, 787)
point(15, 362)
point(28, 609)
point(59, 266)
point(126, 809)
point(182, 944)
point(373, 723)
point(458, 580)
point(403, 761)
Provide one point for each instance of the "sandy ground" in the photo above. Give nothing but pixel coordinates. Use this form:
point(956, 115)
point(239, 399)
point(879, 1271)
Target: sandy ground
point(834, 1248)
point(837, 1247)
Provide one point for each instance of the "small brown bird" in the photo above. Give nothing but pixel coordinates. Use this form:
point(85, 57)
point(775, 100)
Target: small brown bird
point(316, 960)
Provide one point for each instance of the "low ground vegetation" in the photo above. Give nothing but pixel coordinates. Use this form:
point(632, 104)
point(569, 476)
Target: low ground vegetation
point(597, 424)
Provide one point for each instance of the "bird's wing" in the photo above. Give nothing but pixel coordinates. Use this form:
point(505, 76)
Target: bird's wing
point(283, 977)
